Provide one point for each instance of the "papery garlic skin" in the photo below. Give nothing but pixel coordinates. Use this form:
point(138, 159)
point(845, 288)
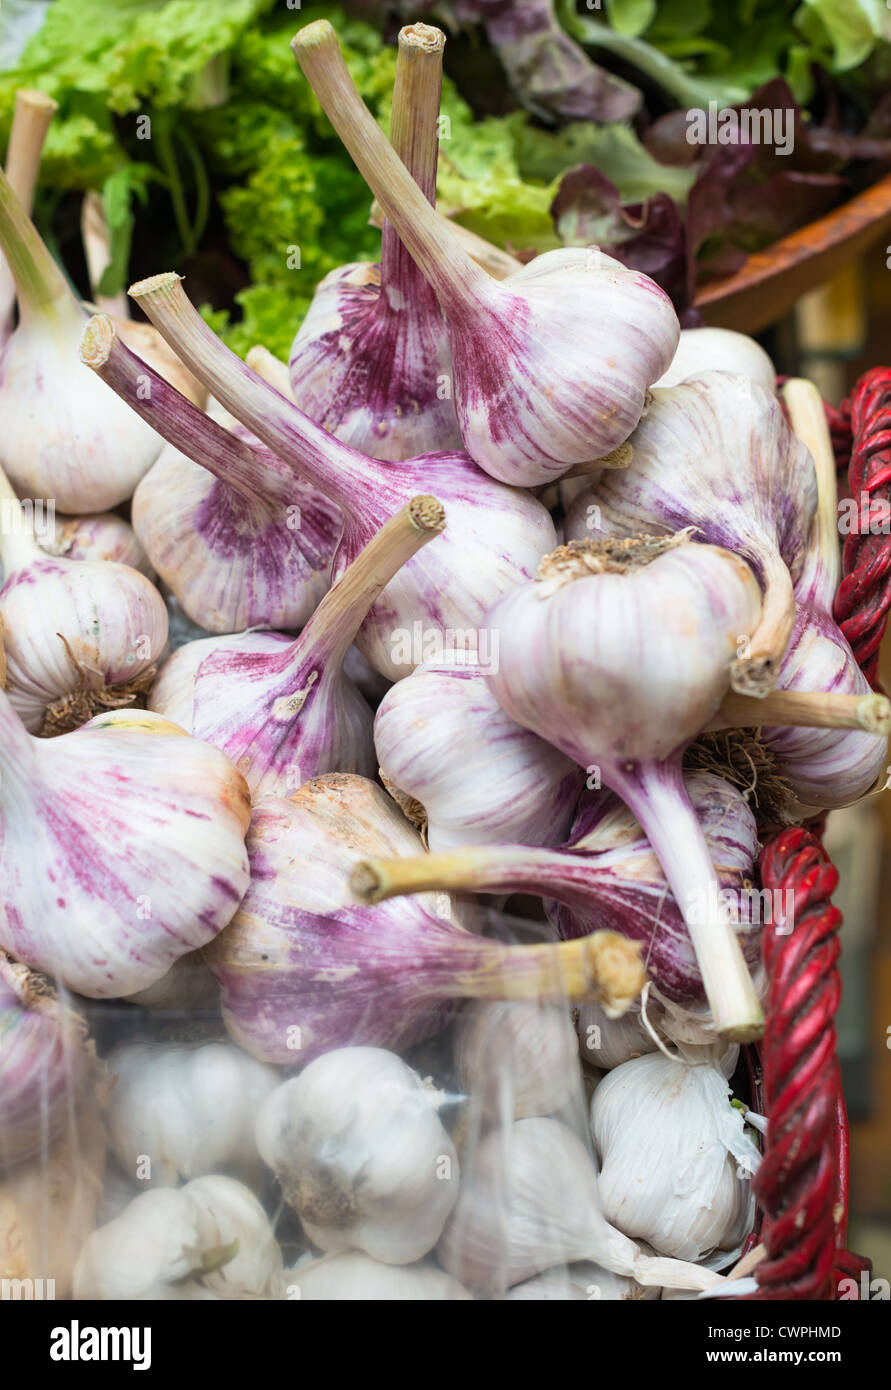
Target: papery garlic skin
point(533, 1050)
point(235, 562)
point(354, 1276)
point(507, 786)
point(361, 1154)
point(168, 1244)
point(716, 453)
point(386, 399)
point(189, 1111)
point(122, 849)
point(581, 1281)
point(43, 1063)
point(718, 350)
point(608, 1042)
point(102, 536)
point(676, 1165)
point(72, 625)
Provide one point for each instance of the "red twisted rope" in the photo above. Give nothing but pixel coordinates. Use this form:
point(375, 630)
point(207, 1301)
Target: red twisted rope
point(802, 1183)
point(861, 605)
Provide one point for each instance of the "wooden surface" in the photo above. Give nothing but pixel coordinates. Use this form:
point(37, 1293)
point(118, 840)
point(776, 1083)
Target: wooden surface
point(771, 281)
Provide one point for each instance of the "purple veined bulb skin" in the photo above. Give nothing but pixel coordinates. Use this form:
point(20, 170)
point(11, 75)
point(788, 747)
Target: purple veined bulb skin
point(101, 536)
point(716, 453)
point(508, 785)
point(627, 891)
point(392, 398)
point(122, 849)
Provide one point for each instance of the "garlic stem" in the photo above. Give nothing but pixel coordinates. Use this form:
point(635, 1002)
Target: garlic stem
point(415, 139)
point(821, 574)
point(96, 240)
point(755, 672)
point(805, 709)
point(445, 264)
point(41, 286)
point(332, 628)
point(604, 967)
point(249, 468)
point(476, 868)
point(33, 113)
point(656, 794)
point(341, 473)
point(617, 458)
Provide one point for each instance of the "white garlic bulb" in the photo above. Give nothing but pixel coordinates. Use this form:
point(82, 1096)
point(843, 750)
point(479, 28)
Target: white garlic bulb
point(354, 1276)
point(534, 1046)
point(508, 786)
point(361, 1155)
point(676, 1164)
point(608, 1042)
point(179, 1112)
point(210, 1238)
point(718, 350)
point(585, 1281)
point(97, 536)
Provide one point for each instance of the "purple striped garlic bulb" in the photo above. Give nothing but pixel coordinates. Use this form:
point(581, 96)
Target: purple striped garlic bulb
point(281, 708)
point(826, 767)
point(507, 785)
point(716, 453)
point(494, 540)
point(552, 365)
point(606, 875)
point(240, 540)
point(100, 536)
point(304, 967)
point(121, 849)
point(43, 1062)
point(79, 635)
point(619, 654)
point(371, 360)
point(63, 437)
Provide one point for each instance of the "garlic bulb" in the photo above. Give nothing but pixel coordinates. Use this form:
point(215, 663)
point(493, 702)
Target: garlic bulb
point(100, 536)
point(43, 1063)
point(176, 1113)
point(826, 767)
point(581, 1281)
point(79, 635)
point(444, 591)
point(618, 654)
point(608, 1042)
point(551, 365)
point(63, 436)
point(507, 786)
point(187, 987)
point(358, 1148)
point(371, 360)
point(48, 1209)
point(717, 454)
point(355, 1277)
point(122, 848)
point(210, 1238)
point(676, 1165)
point(282, 709)
point(303, 968)
point(533, 1048)
point(240, 540)
point(718, 350)
point(529, 1202)
point(607, 876)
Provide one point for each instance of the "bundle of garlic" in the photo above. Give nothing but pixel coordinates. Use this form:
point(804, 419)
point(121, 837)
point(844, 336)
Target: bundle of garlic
point(209, 1239)
point(676, 1164)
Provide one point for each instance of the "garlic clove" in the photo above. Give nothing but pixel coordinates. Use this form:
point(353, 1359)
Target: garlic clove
point(361, 1155)
point(509, 785)
point(122, 849)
